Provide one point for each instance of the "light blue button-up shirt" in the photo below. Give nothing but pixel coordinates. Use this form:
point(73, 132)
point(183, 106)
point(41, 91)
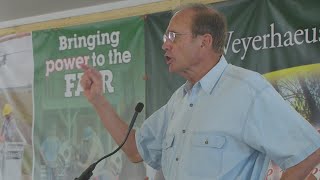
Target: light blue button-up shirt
point(227, 126)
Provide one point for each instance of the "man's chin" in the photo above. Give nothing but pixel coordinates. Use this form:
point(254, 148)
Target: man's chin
point(172, 69)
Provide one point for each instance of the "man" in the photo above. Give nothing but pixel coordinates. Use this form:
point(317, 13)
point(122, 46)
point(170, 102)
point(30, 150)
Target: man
point(91, 150)
point(225, 122)
point(9, 130)
point(49, 150)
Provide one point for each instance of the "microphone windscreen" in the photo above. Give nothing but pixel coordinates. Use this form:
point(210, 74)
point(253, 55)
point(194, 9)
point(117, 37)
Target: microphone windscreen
point(139, 107)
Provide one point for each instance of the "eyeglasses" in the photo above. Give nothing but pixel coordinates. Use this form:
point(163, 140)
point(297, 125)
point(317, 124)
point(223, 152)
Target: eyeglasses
point(172, 36)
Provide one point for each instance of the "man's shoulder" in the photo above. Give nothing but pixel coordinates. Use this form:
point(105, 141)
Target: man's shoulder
point(245, 76)
point(240, 71)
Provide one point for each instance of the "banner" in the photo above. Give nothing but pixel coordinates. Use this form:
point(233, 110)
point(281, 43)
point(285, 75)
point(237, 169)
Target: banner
point(16, 81)
point(68, 133)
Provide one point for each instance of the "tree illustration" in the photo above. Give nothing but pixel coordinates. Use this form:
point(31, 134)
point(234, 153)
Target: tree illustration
point(302, 91)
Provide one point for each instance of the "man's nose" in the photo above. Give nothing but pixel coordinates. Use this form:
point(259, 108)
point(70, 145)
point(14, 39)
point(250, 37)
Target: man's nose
point(166, 45)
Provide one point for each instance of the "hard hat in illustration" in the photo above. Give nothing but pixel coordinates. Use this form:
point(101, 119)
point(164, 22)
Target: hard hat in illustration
point(7, 109)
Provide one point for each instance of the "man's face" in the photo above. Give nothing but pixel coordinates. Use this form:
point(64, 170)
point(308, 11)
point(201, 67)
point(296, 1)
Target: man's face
point(7, 116)
point(182, 53)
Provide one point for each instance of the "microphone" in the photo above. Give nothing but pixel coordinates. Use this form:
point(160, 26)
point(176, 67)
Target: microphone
point(88, 172)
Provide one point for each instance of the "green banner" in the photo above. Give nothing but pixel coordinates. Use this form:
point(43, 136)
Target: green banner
point(64, 119)
point(269, 35)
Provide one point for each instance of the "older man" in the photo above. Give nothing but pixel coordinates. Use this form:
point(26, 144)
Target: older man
point(225, 122)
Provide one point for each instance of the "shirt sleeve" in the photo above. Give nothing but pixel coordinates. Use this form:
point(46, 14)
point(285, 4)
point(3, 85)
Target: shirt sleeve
point(274, 127)
point(150, 136)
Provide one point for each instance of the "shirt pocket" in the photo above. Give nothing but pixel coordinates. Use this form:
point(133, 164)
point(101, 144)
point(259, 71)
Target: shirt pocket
point(206, 154)
point(167, 153)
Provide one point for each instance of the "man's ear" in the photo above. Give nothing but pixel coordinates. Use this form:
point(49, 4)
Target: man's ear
point(207, 40)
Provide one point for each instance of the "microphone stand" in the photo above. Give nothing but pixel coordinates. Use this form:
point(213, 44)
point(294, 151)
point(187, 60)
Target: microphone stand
point(88, 172)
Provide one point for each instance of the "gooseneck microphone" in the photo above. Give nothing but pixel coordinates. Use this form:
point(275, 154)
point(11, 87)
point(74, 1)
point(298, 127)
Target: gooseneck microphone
point(88, 172)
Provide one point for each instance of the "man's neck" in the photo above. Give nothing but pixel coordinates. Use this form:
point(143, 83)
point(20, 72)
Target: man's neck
point(198, 72)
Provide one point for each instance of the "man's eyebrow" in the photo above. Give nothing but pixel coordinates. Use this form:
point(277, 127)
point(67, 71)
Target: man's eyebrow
point(172, 31)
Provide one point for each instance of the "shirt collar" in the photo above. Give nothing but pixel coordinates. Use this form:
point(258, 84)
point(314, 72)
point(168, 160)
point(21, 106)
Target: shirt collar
point(208, 81)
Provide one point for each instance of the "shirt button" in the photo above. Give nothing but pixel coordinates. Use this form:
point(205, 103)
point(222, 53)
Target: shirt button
point(191, 105)
point(177, 159)
point(183, 131)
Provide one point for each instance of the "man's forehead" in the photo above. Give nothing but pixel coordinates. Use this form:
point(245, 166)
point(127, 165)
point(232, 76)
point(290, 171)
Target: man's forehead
point(181, 19)
point(183, 14)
